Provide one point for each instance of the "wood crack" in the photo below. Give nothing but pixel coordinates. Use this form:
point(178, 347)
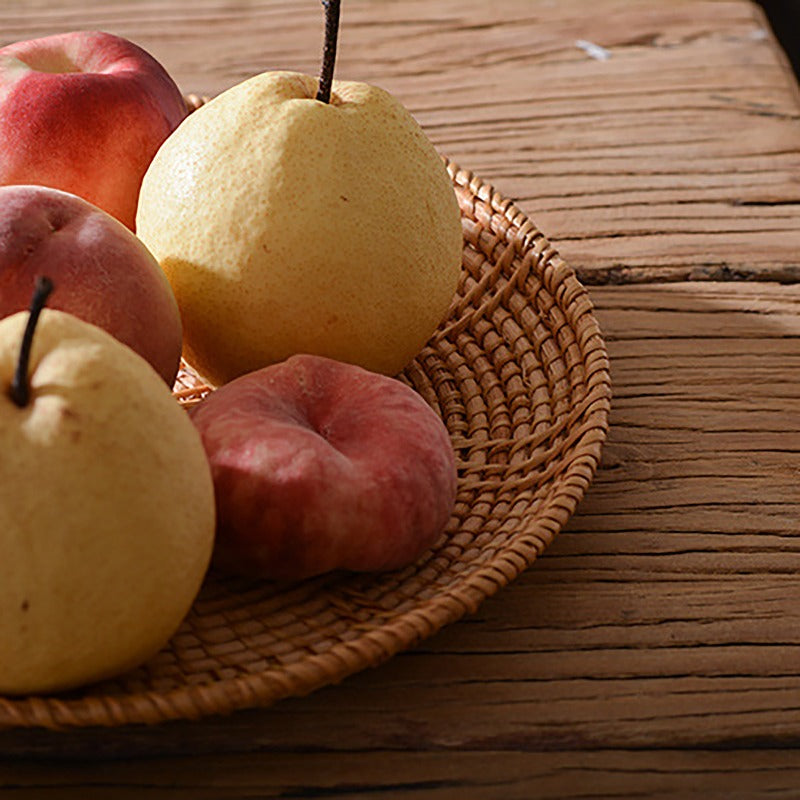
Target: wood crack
point(718, 273)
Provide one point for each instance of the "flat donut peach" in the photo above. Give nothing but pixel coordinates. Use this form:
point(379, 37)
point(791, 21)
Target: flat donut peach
point(321, 465)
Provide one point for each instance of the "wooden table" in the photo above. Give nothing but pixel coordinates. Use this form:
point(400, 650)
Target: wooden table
point(655, 649)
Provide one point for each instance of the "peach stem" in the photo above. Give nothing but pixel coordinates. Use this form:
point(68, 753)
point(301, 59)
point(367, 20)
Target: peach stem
point(20, 390)
point(329, 53)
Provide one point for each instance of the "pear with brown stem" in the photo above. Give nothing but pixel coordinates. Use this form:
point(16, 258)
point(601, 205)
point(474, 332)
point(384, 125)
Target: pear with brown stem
point(293, 215)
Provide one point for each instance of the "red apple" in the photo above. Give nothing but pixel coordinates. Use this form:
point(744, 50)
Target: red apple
point(84, 112)
point(102, 272)
point(321, 465)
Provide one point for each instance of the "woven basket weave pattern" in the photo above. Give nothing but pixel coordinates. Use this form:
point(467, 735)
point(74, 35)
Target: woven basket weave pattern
point(519, 373)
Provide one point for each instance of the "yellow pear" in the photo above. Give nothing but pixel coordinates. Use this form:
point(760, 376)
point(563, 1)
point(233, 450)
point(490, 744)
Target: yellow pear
point(106, 508)
point(290, 224)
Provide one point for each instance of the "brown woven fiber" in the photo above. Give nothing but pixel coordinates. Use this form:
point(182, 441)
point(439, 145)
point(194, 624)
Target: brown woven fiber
point(519, 373)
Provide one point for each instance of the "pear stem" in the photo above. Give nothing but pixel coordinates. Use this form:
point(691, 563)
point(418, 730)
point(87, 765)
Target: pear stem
point(329, 53)
point(20, 388)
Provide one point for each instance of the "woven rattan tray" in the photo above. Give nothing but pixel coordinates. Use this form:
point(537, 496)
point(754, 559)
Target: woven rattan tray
point(519, 373)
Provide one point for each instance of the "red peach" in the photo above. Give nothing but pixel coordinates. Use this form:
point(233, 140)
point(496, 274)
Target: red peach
point(84, 112)
point(102, 272)
point(321, 465)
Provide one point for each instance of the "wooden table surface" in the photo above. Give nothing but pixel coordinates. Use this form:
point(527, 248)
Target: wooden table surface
point(655, 649)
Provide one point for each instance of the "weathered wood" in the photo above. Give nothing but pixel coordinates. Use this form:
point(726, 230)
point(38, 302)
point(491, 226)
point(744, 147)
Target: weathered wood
point(676, 158)
point(433, 776)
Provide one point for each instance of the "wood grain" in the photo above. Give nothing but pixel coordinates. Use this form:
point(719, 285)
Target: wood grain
point(434, 776)
point(675, 158)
